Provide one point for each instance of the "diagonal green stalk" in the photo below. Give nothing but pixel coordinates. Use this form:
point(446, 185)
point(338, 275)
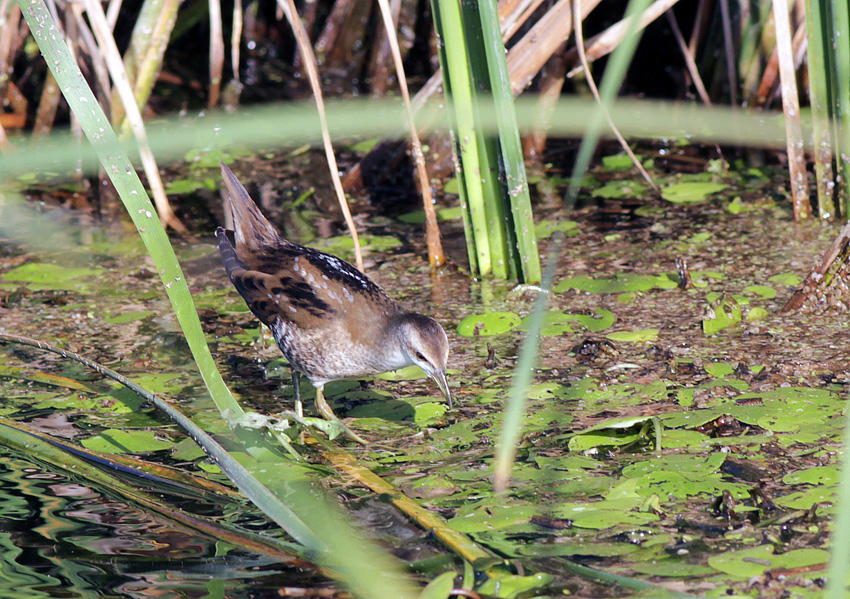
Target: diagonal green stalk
point(514, 412)
point(313, 521)
point(35, 446)
point(236, 472)
point(611, 82)
point(120, 171)
point(334, 543)
point(839, 559)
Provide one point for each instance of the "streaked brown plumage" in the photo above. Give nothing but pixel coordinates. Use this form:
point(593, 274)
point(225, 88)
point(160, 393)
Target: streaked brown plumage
point(329, 320)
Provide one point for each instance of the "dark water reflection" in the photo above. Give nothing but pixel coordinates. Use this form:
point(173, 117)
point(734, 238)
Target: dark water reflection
point(61, 538)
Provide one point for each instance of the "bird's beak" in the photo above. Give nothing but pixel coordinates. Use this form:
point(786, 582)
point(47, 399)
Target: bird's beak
point(440, 378)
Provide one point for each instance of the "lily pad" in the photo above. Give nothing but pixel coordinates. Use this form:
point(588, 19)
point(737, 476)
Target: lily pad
point(635, 336)
point(620, 189)
point(606, 319)
point(45, 275)
point(722, 314)
point(583, 549)
point(719, 369)
point(617, 162)
point(118, 441)
point(129, 317)
point(818, 475)
point(429, 412)
point(763, 291)
point(545, 228)
point(408, 373)
point(692, 192)
point(671, 568)
point(617, 432)
point(620, 283)
point(756, 313)
point(755, 561)
point(509, 586)
point(554, 323)
point(491, 323)
point(491, 518)
point(789, 279)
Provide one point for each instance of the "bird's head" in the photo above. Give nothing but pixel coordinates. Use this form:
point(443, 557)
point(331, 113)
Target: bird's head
point(425, 344)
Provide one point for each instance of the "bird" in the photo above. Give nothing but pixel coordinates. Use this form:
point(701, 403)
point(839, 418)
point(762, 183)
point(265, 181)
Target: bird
point(329, 320)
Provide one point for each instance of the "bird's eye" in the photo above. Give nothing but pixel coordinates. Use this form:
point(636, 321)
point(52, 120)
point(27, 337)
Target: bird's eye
point(419, 356)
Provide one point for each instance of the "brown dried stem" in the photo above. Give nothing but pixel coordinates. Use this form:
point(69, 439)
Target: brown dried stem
point(309, 60)
point(103, 34)
point(791, 107)
point(592, 85)
point(436, 257)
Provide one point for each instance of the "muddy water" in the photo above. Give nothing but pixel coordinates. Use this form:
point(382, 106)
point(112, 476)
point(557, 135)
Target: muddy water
point(65, 280)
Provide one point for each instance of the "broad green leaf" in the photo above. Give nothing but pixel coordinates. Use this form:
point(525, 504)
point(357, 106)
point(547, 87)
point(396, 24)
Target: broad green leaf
point(491, 323)
point(636, 336)
point(440, 587)
point(691, 192)
point(118, 441)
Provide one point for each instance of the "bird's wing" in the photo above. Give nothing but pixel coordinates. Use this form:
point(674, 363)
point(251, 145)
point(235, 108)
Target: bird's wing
point(303, 286)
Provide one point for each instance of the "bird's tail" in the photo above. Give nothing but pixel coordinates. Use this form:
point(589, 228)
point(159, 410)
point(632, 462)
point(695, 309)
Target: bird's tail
point(252, 229)
point(228, 252)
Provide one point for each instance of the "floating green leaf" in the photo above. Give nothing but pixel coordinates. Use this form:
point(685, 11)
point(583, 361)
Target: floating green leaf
point(491, 323)
point(46, 275)
point(483, 518)
point(127, 317)
point(429, 412)
point(619, 283)
point(554, 323)
point(818, 475)
point(762, 291)
point(691, 192)
point(588, 549)
point(671, 568)
point(606, 319)
point(509, 586)
point(440, 587)
point(756, 313)
point(620, 189)
point(821, 495)
point(616, 162)
point(118, 441)
point(723, 313)
point(618, 432)
point(693, 465)
point(635, 336)
point(755, 561)
point(789, 279)
point(719, 369)
point(408, 373)
point(545, 228)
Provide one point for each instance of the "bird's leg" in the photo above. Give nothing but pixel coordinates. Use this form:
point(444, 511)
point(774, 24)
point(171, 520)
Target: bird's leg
point(296, 384)
point(325, 410)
